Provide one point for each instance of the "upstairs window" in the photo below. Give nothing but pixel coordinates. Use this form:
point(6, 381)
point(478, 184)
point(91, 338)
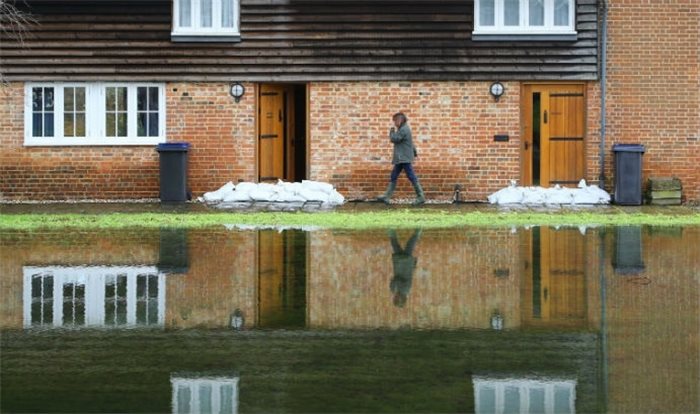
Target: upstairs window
point(533, 19)
point(205, 20)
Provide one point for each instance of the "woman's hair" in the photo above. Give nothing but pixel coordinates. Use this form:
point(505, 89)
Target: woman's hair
point(400, 115)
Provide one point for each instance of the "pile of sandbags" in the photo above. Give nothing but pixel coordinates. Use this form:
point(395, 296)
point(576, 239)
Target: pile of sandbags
point(584, 194)
point(282, 192)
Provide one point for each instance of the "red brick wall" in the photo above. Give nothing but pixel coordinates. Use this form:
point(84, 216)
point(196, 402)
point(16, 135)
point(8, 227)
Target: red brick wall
point(220, 130)
point(453, 124)
point(654, 86)
point(68, 172)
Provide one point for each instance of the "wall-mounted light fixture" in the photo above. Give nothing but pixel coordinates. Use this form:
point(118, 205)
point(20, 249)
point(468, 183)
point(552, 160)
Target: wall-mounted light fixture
point(237, 91)
point(237, 320)
point(497, 321)
point(496, 89)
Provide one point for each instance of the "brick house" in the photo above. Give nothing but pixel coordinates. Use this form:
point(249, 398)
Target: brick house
point(97, 84)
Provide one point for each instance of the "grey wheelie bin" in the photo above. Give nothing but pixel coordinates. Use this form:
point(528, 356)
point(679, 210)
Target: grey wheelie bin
point(628, 174)
point(173, 171)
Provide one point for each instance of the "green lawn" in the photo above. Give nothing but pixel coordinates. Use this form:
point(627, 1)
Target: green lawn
point(405, 218)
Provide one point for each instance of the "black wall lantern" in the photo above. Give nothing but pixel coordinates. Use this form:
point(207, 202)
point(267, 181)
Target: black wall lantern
point(237, 91)
point(496, 89)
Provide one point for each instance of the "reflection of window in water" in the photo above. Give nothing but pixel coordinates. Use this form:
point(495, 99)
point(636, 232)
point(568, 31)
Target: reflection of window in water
point(42, 299)
point(73, 304)
point(204, 394)
point(97, 296)
point(115, 300)
point(147, 299)
point(514, 395)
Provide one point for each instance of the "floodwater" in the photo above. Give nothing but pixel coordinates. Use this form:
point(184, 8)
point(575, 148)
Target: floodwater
point(226, 320)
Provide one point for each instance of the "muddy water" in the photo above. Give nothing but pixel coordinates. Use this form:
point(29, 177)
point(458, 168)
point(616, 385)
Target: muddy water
point(472, 319)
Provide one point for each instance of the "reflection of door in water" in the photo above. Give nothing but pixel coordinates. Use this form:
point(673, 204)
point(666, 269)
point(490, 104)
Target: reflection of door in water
point(553, 135)
point(554, 280)
point(281, 279)
point(282, 132)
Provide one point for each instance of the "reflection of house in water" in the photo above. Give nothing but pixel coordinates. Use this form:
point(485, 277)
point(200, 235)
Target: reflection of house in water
point(479, 278)
point(93, 296)
point(524, 395)
point(204, 394)
point(644, 326)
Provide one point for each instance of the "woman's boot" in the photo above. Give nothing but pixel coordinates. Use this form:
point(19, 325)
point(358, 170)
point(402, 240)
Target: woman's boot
point(420, 196)
point(387, 194)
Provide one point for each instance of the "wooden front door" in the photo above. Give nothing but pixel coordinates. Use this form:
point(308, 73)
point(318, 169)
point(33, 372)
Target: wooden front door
point(271, 117)
point(553, 120)
point(554, 290)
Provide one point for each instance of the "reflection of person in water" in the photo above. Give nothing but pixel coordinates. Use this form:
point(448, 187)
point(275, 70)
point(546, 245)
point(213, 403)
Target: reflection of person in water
point(404, 265)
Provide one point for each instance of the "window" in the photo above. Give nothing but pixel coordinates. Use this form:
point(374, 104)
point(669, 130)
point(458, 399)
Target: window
point(205, 20)
point(531, 18)
point(94, 296)
point(204, 394)
point(94, 114)
point(524, 395)
point(41, 305)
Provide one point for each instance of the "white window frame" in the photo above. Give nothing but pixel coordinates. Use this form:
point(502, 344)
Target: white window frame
point(196, 30)
point(95, 107)
point(524, 28)
point(194, 384)
point(94, 278)
point(547, 385)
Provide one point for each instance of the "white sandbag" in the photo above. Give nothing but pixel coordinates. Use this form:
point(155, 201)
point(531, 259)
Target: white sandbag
point(218, 195)
point(317, 186)
point(245, 186)
point(336, 198)
point(311, 195)
point(508, 195)
point(239, 195)
point(558, 195)
point(603, 195)
point(534, 195)
point(289, 197)
point(263, 192)
point(290, 188)
point(582, 183)
point(591, 195)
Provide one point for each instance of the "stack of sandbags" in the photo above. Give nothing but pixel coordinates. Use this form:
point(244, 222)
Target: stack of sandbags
point(584, 194)
point(282, 192)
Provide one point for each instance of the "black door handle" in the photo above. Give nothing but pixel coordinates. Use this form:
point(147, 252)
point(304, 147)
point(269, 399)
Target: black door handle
point(545, 116)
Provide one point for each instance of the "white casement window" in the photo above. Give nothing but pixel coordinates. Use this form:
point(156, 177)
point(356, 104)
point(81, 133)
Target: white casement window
point(93, 296)
point(208, 18)
point(524, 395)
point(94, 114)
point(204, 394)
point(524, 17)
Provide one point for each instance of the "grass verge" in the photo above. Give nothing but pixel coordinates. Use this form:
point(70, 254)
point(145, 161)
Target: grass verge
point(340, 220)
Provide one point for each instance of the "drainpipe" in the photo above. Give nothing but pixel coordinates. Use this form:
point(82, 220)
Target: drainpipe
point(603, 88)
